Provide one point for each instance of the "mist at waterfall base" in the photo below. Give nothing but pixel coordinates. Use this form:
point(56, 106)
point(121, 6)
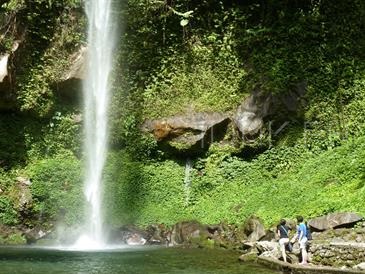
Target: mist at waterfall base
point(101, 45)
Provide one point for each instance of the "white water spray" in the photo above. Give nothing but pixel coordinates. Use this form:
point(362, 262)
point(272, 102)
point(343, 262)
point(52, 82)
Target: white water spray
point(101, 36)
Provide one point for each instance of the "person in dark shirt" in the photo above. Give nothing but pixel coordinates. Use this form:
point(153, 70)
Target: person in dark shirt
point(283, 233)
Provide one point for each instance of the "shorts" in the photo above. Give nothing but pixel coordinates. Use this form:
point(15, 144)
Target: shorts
point(283, 242)
point(303, 242)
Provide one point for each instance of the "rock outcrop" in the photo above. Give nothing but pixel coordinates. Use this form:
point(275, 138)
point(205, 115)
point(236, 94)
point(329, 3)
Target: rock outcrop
point(199, 129)
point(184, 132)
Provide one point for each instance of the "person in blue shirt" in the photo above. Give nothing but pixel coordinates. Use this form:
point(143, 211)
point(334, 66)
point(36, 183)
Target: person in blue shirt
point(301, 236)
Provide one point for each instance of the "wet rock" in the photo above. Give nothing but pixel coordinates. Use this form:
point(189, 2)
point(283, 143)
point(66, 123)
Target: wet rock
point(135, 239)
point(158, 234)
point(334, 220)
point(128, 234)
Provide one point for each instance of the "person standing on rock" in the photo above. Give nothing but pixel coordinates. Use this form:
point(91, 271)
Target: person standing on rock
point(283, 232)
point(301, 236)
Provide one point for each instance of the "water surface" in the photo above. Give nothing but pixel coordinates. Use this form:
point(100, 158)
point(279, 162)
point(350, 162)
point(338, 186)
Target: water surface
point(129, 260)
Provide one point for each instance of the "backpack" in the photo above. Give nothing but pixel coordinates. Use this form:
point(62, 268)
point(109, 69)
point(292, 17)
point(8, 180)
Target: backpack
point(308, 233)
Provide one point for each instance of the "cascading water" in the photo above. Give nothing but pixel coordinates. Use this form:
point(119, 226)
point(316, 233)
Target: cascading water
point(101, 36)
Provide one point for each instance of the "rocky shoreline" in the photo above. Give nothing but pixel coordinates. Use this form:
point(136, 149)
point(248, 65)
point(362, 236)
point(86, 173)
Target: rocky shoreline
point(338, 240)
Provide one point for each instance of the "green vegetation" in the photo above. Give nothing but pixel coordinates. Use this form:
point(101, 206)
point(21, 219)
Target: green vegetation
point(57, 189)
point(224, 52)
point(181, 56)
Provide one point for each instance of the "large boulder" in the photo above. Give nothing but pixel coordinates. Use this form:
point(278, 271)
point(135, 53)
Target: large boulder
point(254, 229)
point(157, 234)
point(187, 232)
point(127, 234)
point(249, 115)
point(184, 132)
point(334, 220)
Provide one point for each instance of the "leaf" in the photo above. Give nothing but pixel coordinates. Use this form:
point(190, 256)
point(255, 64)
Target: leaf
point(187, 14)
point(184, 22)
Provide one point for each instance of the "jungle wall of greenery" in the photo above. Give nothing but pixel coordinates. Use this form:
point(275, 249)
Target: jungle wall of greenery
point(177, 57)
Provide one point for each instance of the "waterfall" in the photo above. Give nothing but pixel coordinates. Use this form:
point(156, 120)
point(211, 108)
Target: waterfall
point(101, 42)
point(187, 180)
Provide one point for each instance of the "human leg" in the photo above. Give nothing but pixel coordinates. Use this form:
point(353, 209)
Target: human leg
point(282, 243)
point(303, 249)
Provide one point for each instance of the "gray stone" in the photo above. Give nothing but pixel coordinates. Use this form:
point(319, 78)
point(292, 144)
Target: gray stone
point(264, 246)
point(136, 239)
point(186, 131)
point(360, 266)
point(254, 229)
point(248, 257)
point(184, 232)
point(249, 115)
point(334, 220)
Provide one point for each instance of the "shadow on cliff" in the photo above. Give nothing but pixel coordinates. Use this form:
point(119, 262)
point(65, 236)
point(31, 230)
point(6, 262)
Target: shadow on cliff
point(12, 142)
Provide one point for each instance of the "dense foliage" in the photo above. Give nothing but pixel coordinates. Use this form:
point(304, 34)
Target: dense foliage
point(207, 56)
point(181, 56)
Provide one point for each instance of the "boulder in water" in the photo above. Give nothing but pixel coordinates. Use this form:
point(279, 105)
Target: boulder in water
point(136, 239)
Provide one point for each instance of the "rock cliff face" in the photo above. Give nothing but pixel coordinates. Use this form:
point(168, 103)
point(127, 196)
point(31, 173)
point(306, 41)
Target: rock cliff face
point(193, 131)
point(41, 54)
point(190, 131)
point(70, 83)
